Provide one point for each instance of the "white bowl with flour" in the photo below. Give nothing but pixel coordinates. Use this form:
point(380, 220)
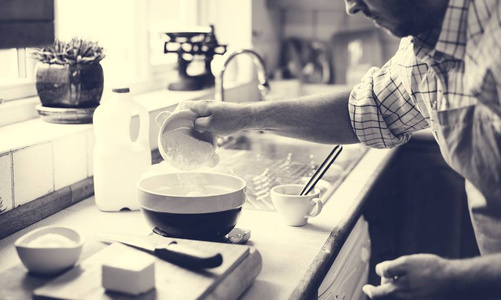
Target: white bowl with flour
point(181, 145)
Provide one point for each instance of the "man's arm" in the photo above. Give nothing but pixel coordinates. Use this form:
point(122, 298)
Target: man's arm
point(478, 276)
point(427, 276)
point(322, 118)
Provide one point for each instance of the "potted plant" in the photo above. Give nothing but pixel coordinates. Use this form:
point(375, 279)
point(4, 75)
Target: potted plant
point(69, 76)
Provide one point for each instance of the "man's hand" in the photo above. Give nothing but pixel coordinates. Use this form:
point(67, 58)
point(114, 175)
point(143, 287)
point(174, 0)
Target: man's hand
point(221, 118)
point(419, 276)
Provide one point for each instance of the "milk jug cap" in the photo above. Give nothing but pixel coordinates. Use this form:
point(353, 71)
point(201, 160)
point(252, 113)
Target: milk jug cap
point(121, 90)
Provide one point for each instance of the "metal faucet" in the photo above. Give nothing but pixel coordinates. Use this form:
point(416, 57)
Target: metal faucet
point(261, 73)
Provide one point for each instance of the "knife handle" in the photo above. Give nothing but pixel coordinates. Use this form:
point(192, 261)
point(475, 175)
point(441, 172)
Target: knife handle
point(189, 257)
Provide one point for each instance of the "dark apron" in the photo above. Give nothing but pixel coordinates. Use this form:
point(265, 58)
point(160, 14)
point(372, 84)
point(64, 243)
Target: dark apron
point(470, 141)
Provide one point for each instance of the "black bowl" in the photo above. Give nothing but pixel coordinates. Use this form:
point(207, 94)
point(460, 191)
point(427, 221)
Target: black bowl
point(209, 226)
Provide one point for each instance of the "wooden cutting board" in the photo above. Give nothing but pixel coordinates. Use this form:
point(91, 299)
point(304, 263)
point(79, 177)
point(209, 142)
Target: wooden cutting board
point(241, 265)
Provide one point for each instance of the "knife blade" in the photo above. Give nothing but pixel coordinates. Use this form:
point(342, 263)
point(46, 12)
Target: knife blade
point(173, 252)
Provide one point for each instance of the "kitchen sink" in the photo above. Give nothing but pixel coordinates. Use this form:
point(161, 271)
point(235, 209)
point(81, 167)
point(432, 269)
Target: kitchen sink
point(265, 160)
point(276, 147)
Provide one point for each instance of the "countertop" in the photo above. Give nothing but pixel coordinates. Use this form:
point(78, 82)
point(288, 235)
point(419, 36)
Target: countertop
point(294, 258)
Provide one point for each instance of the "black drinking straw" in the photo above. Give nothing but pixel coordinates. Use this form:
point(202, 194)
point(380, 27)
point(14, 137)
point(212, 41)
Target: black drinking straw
point(321, 170)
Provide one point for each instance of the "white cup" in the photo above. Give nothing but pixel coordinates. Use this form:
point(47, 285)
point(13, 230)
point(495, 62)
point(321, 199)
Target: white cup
point(294, 209)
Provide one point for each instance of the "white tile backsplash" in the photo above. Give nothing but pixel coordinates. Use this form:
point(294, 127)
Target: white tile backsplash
point(70, 160)
point(37, 157)
point(6, 181)
point(33, 172)
point(37, 131)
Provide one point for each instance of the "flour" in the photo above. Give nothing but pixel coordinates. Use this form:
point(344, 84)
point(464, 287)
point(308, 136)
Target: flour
point(52, 240)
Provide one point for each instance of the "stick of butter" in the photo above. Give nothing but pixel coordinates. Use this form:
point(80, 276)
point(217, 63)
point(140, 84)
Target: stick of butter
point(130, 273)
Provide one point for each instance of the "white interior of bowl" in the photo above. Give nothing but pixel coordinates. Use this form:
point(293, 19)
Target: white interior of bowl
point(191, 192)
point(71, 234)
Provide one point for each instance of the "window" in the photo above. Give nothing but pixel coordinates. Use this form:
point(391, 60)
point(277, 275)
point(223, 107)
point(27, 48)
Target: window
point(16, 85)
point(9, 68)
point(16, 74)
point(128, 30)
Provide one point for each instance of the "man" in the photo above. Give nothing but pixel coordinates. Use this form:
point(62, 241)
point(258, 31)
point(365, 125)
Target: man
point(446, 75)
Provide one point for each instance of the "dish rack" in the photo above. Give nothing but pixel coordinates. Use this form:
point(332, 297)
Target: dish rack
point(263, 173)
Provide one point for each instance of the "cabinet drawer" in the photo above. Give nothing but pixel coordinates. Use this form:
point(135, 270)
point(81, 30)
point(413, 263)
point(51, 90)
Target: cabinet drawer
point(349, 272)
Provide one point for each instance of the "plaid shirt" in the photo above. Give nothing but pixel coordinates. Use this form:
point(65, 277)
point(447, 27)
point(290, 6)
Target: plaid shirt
point(445, 68)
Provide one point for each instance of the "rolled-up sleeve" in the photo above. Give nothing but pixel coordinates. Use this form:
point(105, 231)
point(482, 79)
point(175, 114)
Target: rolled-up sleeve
point(381, 110)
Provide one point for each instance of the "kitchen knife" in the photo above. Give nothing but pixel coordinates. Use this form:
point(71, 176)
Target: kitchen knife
point(173, 252)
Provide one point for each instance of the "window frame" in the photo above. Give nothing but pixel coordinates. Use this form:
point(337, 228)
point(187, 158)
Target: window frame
point(23, 86)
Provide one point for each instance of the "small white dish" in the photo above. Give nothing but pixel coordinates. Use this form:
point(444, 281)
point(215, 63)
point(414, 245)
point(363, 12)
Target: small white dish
point(49, 250)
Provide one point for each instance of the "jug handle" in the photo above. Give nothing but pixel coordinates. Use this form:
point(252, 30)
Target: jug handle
point(144, 126)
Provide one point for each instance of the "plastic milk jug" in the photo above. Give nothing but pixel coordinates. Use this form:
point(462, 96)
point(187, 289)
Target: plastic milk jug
point(119, 162)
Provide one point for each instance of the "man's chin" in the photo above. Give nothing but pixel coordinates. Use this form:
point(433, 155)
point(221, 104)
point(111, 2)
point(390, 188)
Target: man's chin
point(396, 33)
point(392, 30)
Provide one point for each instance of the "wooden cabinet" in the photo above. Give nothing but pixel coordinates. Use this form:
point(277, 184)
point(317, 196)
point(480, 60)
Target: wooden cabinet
point(419, 206)
point(348, 273)
point(26, 23)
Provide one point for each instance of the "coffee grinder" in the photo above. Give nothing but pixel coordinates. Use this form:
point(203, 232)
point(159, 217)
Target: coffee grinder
point(193, 45)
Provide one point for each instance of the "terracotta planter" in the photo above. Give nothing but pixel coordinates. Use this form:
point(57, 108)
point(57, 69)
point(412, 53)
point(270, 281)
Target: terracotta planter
point(69, 86)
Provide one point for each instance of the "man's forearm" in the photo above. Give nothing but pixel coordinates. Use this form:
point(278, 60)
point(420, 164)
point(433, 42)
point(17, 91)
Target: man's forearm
point(322, 118)
point(478, 277)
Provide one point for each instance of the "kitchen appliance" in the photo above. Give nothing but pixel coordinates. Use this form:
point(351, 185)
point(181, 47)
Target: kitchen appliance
point(192, 205)
point(193, 45)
